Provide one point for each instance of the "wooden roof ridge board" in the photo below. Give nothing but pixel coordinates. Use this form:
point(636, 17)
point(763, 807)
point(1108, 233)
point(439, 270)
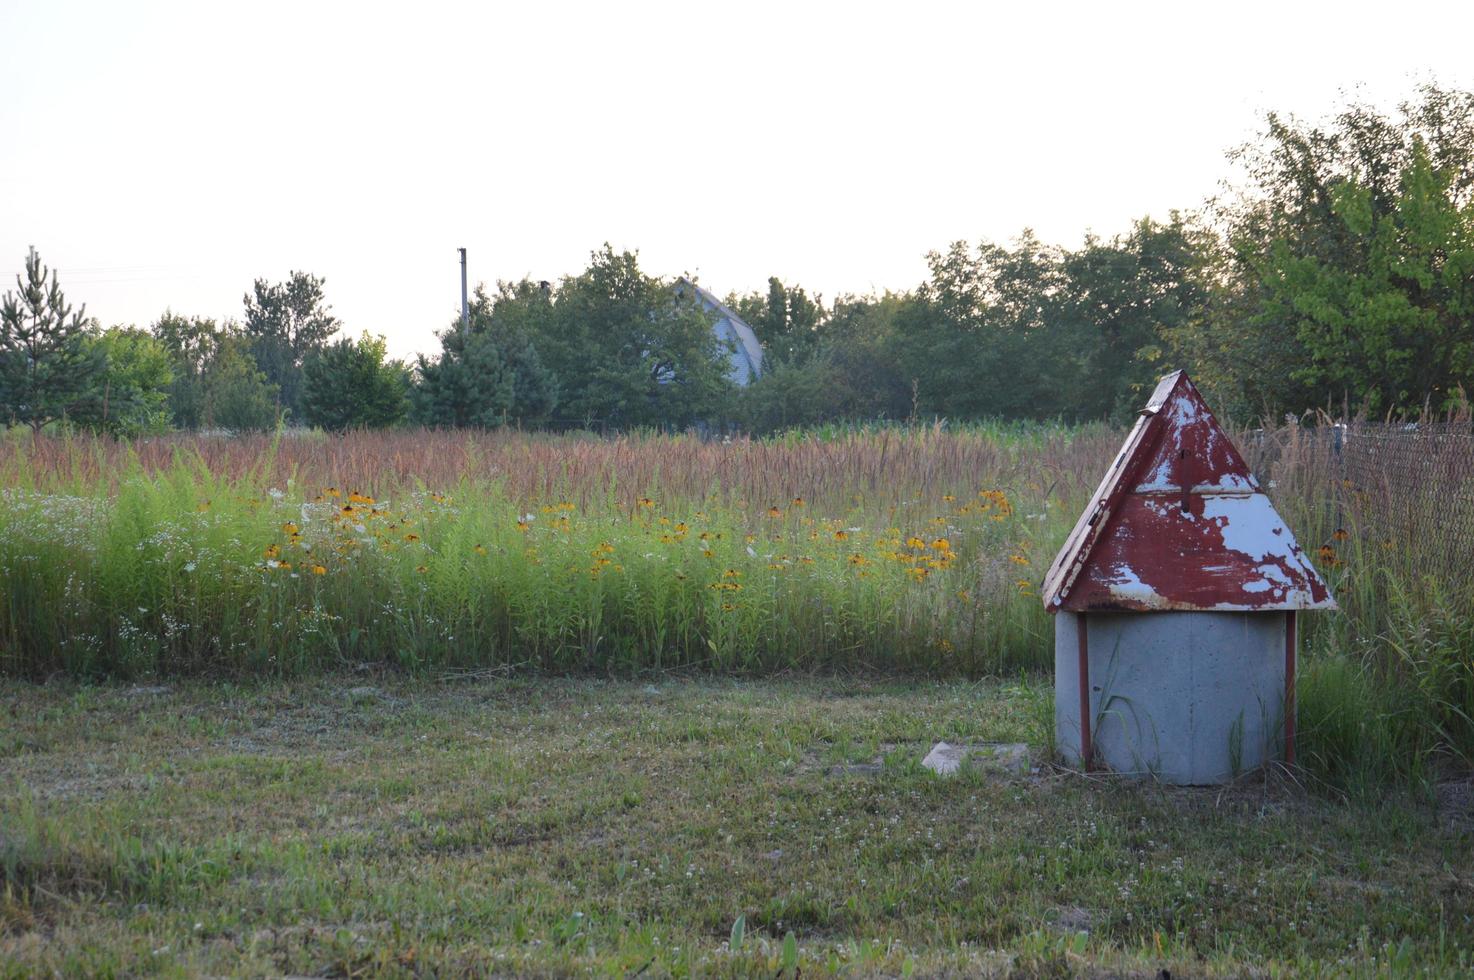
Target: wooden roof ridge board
point(1180, 523)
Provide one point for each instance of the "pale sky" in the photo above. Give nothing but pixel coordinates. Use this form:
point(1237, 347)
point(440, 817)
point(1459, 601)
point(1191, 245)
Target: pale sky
point(167, 154)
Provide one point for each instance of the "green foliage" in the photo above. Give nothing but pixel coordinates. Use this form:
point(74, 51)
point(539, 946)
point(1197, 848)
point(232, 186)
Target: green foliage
point(237, 395)
point(990, 339)
point(849, 371)
point(489, 372)
point(1353, 262)
point(1343, 274)
point(1396, 326)
point(785, 320)
point(47, 367)
point(133, 393)
point(284, 323)
point(350, 385)
point(192, 344)
point(629, 351)
point(1121, 301)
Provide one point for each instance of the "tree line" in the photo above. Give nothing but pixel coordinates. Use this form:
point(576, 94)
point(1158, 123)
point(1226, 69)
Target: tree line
point(1338, 271)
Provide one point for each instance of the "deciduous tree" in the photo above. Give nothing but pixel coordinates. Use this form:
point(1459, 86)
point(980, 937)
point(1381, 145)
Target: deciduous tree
point(284, 323)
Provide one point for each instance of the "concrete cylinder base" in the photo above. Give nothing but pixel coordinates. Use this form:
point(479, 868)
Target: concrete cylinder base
point(1187, 697)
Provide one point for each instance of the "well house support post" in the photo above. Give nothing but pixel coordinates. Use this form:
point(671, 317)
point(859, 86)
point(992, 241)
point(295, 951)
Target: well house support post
point(1290, 688)
point(1082, 633)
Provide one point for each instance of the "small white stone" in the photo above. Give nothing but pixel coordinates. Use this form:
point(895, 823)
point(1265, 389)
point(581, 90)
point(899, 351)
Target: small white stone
point(944, 759)
point(998, 757)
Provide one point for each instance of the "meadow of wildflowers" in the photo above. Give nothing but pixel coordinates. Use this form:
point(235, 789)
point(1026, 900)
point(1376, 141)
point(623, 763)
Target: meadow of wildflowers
point(532, 554)
point(914, 550)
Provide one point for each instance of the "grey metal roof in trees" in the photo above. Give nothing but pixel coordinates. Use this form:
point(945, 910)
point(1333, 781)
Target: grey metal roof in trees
point(747, 353)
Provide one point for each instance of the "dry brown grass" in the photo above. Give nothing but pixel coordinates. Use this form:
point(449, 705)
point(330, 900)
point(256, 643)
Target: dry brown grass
point(876, 468)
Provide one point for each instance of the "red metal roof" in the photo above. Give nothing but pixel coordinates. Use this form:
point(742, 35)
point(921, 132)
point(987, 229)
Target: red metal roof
point(1180, 523)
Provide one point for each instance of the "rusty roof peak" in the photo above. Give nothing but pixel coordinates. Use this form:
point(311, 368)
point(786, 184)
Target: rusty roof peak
point(1180, 523)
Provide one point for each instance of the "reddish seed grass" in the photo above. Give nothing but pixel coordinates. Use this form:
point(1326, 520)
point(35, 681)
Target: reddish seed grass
point(862, 471)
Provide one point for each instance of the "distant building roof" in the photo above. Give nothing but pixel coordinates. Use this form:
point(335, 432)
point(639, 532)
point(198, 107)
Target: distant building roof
point(747, 354)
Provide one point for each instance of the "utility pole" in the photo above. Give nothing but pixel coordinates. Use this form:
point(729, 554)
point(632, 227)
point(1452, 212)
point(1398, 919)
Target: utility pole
point(465, 306)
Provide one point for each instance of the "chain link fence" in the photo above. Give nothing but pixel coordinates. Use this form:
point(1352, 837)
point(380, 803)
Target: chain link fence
point(1403, 488)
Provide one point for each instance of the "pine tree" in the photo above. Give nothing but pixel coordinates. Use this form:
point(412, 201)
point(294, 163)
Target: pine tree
point(46, 368)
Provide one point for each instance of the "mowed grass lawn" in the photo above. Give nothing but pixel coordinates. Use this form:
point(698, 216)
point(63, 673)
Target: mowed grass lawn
point(483, 825)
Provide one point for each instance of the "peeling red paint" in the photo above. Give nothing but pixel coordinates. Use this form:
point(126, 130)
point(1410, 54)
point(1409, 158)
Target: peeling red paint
point(1180, 523)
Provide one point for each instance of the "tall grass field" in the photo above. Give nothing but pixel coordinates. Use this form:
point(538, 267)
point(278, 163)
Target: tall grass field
point(913, 551)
